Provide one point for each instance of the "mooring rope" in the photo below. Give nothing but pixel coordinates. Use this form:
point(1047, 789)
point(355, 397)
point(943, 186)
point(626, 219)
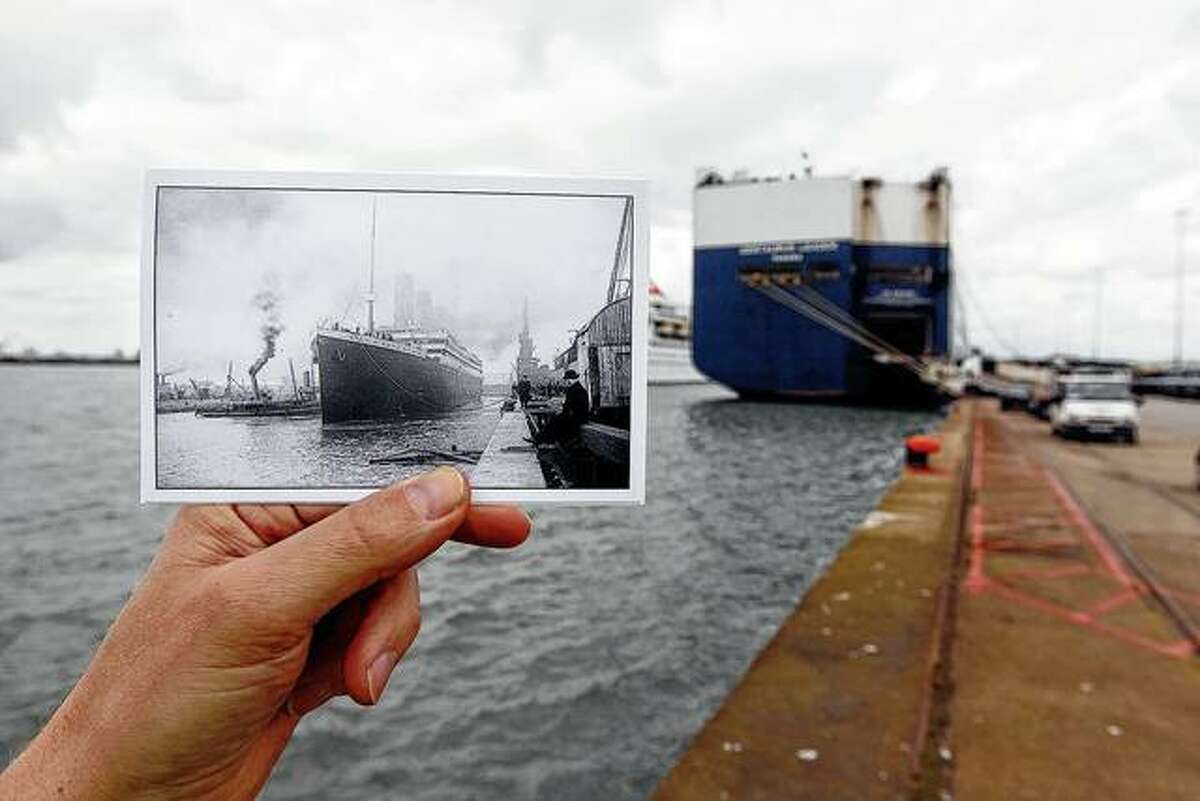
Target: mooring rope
point(840, 322)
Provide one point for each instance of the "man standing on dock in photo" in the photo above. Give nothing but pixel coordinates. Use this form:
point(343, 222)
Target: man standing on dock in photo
point(566, 424)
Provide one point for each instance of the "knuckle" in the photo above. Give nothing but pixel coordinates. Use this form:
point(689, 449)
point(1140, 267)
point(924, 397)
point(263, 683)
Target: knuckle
point(186, 521)
point(360, 534)
point(196, 516)
point(195, 523)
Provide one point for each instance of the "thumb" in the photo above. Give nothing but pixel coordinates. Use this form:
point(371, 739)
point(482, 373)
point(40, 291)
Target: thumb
point(314, 570)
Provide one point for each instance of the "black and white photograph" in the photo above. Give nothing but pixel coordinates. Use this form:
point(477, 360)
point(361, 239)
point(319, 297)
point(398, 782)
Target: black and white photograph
point(317, 337)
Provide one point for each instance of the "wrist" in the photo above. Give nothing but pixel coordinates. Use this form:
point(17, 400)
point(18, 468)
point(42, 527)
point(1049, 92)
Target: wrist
point(64, 762)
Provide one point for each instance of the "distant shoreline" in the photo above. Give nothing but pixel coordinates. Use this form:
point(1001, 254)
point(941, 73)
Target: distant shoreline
point(70, 360)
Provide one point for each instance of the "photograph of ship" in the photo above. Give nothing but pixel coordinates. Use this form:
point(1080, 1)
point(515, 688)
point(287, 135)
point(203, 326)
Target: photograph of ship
point(314, 340)
point(401, 371)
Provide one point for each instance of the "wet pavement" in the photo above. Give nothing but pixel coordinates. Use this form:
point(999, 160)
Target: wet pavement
point(1018, 623)
point(1074, 676)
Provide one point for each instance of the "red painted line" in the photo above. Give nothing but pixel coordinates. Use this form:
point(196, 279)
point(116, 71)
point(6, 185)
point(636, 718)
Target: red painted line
point(1120, 599)
point(977, 459)
point(1109, 557)
point(1178, 649)
point(976, 581)
point(1034, 602)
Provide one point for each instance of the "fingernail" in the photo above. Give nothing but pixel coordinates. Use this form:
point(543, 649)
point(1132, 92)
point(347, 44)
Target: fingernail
point(435, 495)
point(379, 672)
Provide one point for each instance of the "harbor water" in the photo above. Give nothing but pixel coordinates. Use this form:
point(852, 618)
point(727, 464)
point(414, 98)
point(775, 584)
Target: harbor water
point(201, 452)
point(577, 666)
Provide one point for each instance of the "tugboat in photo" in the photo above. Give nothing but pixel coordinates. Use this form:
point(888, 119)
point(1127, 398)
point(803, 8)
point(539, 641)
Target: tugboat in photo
point(393, 372)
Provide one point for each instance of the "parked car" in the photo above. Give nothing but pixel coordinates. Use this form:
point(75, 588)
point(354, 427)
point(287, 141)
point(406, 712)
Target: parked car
point(1012, 396)
point(1096, 405)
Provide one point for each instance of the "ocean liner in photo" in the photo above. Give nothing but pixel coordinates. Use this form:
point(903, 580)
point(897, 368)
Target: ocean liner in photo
point(394, 373)
point(407, 370)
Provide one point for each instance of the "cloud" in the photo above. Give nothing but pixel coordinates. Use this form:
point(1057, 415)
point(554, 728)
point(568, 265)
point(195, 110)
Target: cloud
point(1069, 128)
point(24, 226)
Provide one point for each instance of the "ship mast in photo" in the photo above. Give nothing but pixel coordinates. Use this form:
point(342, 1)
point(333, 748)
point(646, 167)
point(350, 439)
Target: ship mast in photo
point(403, 371)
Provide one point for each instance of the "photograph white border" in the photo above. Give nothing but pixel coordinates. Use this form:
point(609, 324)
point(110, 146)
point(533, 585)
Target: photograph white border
point(636, 189)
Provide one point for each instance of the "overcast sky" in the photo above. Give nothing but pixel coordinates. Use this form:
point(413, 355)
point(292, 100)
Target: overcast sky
point(480, 258)
point(1070, 129)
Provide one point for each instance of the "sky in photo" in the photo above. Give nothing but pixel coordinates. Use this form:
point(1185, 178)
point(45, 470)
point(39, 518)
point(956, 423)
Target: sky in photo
point(1070, 129)
point(479, 257)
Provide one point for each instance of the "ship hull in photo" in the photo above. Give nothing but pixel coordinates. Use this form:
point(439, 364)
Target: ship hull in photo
point(362, 378)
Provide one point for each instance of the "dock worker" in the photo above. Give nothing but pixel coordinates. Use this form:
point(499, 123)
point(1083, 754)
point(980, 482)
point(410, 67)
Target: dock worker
point(576, 404)
point(566, 424)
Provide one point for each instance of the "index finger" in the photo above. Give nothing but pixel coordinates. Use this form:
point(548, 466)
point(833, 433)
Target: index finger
point(485, 526)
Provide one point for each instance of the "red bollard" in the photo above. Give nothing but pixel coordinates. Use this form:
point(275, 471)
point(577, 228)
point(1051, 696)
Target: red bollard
point(917, 450)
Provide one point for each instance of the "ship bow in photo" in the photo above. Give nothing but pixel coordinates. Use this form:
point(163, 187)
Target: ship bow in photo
point(374, 377)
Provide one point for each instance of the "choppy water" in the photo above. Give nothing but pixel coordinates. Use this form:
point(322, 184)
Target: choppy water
point(575, 667)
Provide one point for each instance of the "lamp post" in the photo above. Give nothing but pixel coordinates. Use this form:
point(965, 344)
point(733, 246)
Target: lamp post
point(1180, 233)
point(1097, 320)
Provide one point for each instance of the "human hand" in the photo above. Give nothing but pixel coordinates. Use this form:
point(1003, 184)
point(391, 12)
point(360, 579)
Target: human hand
point(248, 618)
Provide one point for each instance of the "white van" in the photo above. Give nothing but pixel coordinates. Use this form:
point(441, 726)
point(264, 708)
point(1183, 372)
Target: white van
point(1097, 405)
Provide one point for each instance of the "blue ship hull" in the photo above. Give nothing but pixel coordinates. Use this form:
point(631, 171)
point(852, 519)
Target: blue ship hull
point(760, 347)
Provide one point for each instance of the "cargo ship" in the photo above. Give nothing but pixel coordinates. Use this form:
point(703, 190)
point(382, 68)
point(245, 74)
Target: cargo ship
point(823, 288)
point(406, 370)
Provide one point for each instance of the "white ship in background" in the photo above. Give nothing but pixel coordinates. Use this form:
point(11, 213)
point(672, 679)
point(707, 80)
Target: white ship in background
point(670, 352)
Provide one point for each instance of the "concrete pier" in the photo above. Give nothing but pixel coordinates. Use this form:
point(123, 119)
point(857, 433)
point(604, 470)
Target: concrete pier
point(1016, 623)
point(508, 460)
point(1075, 674)
point(833, 707)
